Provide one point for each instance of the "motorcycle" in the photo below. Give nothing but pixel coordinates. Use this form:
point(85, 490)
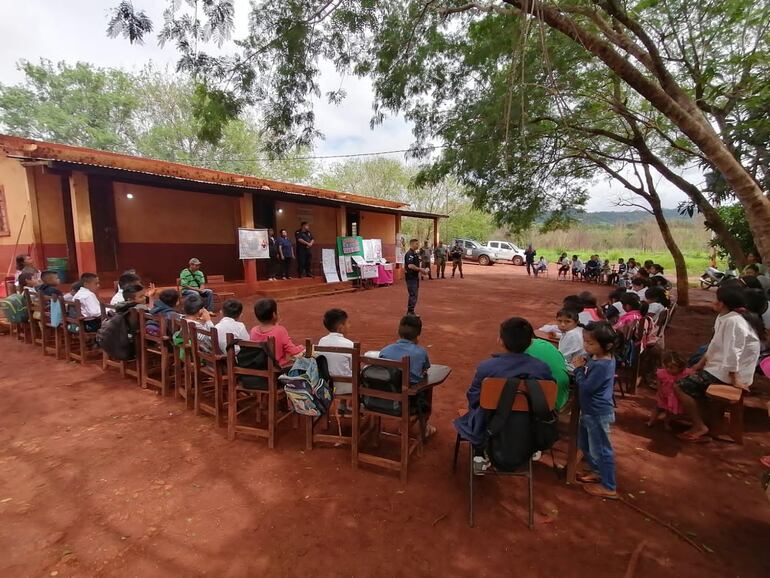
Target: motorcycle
point(713, 277)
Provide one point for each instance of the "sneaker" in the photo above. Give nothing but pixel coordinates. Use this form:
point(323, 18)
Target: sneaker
point(536, 456)
point(480, 465)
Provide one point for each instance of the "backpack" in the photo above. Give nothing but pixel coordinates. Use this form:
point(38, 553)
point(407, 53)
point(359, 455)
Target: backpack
point(307, 386)
point(15, 308)
point(255, 358)
point(513, 436)
point(114, 338)
point(388, 379)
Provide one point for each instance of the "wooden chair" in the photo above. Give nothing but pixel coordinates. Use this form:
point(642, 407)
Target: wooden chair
point(131, 368)
point(184, 382)
point(726, 411)
point(157, 364)
point(52, 336)
point(35, 311)
point(79, 344)
point(405, 417)
point(209, 372)
point(491, 390)
point(251, 392)
point(311, 436)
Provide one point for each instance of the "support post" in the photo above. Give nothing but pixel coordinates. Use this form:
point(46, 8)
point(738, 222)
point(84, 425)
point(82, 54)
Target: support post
point(435, 232)
point(246, 220)
point(83, 224)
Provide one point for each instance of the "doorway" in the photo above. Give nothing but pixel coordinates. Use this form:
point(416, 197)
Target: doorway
point(353, 224)
point(104, 222)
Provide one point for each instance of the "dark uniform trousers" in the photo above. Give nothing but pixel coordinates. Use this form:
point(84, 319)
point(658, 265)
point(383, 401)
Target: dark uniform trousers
point(413, 288)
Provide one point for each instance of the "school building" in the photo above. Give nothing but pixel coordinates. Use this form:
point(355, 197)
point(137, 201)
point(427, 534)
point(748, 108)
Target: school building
point(107, 212)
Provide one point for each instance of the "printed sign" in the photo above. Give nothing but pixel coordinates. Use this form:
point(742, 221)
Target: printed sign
point(253, 244)
point(329, 266)
point(350, 245)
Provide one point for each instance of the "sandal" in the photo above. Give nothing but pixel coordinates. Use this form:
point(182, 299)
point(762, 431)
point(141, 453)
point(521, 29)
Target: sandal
point(589, 478)
point(693, 438)
point(601, 492)
point(430, 430)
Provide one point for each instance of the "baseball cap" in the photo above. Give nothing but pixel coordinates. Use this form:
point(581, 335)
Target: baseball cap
point(195, 261)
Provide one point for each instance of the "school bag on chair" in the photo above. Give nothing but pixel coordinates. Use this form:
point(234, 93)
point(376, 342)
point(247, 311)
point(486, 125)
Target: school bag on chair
point(307, 386)
point(255, 358)
point(513, 436)
point(15, 308)
point(114, 339)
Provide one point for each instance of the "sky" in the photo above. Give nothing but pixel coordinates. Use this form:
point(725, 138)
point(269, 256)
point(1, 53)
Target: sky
point(74, 30)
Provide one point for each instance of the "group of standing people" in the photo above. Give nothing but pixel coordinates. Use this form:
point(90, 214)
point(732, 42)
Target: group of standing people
point(282, 253)
point(441, 254)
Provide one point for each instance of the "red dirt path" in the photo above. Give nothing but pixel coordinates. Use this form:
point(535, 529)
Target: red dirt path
point(98, 477)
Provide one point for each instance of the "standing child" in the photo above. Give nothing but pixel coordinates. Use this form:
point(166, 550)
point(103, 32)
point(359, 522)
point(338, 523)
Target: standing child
point(266, 311)
point(571, 342)
point(667, 404)
point(231, 313)
point(595, 376)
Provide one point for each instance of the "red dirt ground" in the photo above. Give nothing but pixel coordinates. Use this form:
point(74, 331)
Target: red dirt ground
point(100, 478)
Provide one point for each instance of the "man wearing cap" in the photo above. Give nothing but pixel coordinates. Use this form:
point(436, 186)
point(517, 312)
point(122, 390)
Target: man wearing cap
point(192, 280)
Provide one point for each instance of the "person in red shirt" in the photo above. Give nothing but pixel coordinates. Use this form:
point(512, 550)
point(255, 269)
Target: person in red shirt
point(266, 311)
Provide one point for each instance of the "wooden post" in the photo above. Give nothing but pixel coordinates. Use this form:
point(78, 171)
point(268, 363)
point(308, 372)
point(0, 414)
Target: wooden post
point(435, 232)
point(246, 219)
point(83, 224)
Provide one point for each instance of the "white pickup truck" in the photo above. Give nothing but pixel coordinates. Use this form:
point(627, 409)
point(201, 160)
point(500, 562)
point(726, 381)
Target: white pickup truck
point(507, 251)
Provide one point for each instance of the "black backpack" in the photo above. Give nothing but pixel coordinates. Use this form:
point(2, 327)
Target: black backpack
point(388, 379)
point(114, 337)
point(252, 358)
point(513, 436)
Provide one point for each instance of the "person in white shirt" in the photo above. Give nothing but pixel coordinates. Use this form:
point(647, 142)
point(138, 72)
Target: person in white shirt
point(571, 342)
point(657, 302)
point(337, 323)
point(639, 286)
point(90, 306)
point(731, 357)
point(231, 313)
point(124, 281)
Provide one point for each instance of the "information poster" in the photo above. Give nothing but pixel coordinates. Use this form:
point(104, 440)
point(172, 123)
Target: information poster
point(351, 245)
point(253, 244)
point(400, 247)
point(329, 266)
point(346, 268)
point(369, 271)
point(348, 247)
point(373, 250)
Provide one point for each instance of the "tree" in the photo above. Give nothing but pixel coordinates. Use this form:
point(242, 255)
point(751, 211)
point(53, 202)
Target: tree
point(151, 113)
point(78, 105)
point(682, 57)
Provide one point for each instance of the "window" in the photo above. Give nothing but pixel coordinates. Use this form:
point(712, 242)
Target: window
point(469, 245)
point(494, 244)
point(5, 225)
point(505, 246)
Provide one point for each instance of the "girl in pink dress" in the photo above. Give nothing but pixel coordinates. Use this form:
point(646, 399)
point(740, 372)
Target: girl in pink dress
point(634, 309)
point(667, 405)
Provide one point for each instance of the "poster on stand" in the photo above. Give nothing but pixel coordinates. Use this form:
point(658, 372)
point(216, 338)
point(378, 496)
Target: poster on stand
point(329, 266)
point(373, 250)
point(351, 245)
point(346, 269)
point(253, 244)
point(369, 272)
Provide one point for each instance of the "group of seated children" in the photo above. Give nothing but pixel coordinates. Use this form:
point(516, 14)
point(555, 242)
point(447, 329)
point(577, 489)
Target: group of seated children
point(623, 274)
point(590, 352)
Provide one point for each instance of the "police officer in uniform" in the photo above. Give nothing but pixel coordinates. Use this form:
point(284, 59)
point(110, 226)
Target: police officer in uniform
point(456, 254)
point(304, 250)
point(412, 271)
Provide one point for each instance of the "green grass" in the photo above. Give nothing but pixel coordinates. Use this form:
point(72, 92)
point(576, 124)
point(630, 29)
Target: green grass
point(697, 261)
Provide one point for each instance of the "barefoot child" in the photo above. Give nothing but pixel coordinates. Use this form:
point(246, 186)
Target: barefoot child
point(595, 376)
point(667, 404)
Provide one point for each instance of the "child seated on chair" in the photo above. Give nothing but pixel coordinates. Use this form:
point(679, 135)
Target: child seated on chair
point(409, 330)
point(266, 311)
point(515, 337)
point(124, 281)
point(50, 284)
point(590, 310)
point(90, 306)
point(633, 310)
point(542, 265)
point(595, 378)
point(196, 312)
point(231, 313)
point(166, 303)
point(28, 281)
point(337, 324)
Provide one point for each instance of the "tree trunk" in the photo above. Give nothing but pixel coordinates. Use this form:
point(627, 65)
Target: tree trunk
point(755, 203)
point(682, 281)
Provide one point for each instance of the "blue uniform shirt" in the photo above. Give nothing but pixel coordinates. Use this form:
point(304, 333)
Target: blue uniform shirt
point(418, 358)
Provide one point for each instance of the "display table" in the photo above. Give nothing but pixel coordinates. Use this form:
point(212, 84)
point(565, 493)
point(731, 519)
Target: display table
point(385, 274)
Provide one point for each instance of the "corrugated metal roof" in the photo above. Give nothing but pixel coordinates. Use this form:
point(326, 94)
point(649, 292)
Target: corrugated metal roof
point(34, 150)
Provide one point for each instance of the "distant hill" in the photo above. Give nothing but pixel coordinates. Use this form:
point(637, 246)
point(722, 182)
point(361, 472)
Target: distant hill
point(611, 218)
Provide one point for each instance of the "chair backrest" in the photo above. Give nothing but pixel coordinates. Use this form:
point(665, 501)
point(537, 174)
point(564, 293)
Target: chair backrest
point(492, 388)
point(33, 302)
point(355, 359)
point(388, 382)
point(237, 373)
point(210, 355)
point(73, 312)
point(147, 319)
